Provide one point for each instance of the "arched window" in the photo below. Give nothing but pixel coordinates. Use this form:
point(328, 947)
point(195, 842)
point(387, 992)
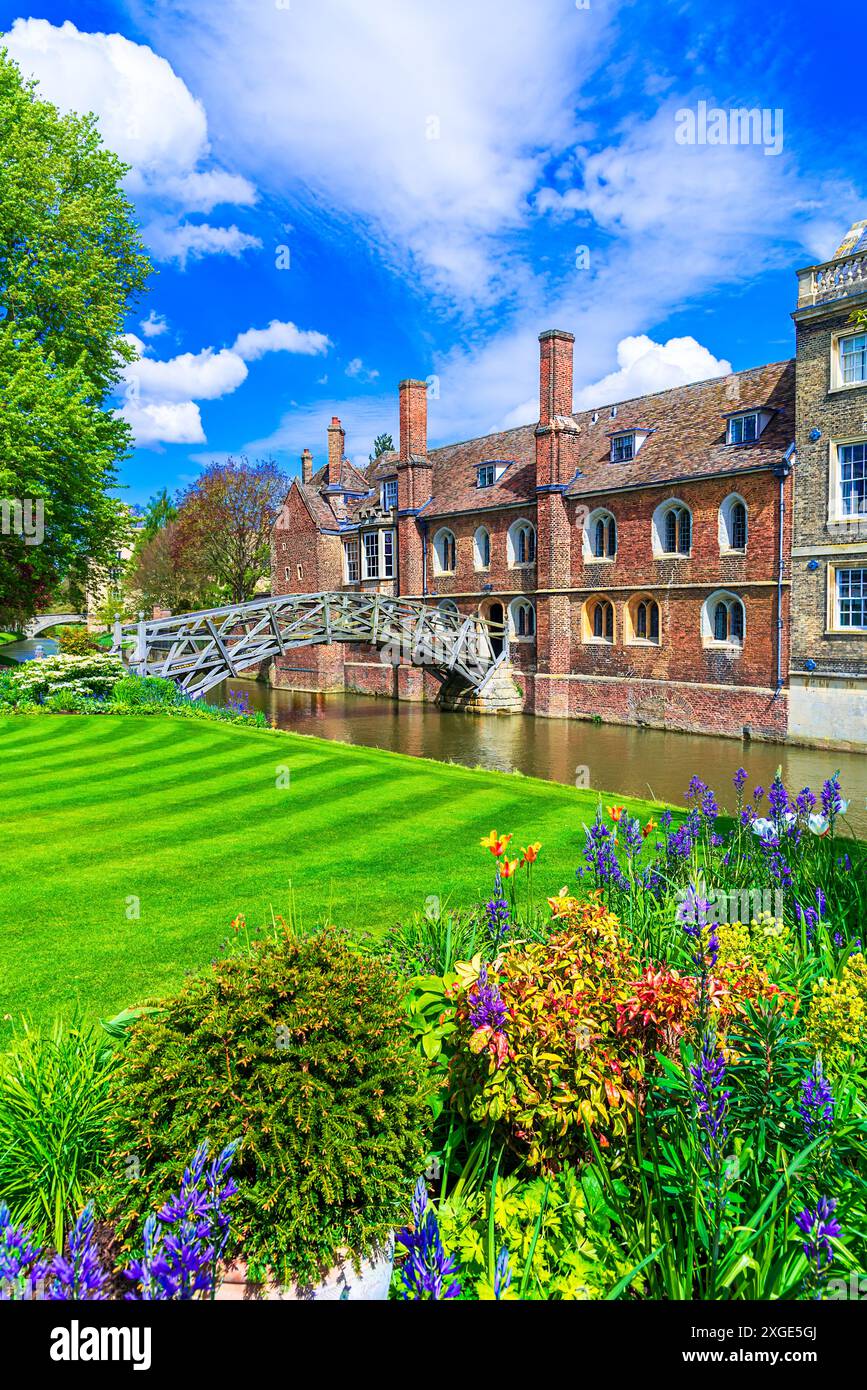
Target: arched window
point(523, 616)
point(641, 621)
point(599, 620)
point(672, 529)
point(522, 543)
point(482, 549)
point(445, 552)
point(448, 605)
point(733, 524)
point(723, 620)
point(600, 536)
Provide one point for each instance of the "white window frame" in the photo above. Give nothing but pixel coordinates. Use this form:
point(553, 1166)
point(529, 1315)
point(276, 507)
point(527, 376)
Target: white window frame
point(481, 535)
point(514, 531)
point(837, 375)
point(486, 475)
point(657, 533)
point(835, 573)
point(725, 525)
point(733, 645)
point(439, 567)
point(389, 489)
point(621, 441)
point(351, 560)
point(380, 555)
point(835, 483)
point(514, 608)
point(741, 420)
point(588, 538)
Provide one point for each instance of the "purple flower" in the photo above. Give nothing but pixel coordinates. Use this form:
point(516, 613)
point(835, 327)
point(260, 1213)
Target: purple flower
point(502, 1273)
point(600, 856)
point(778, 798)
point(487, 1009)
point(633, 839)
point(819, 1228)
point(838, 939)
point(428, 1274)
point(832, 798)
point(238, 702)
point(821, 902)
point(498, 918)
point(805, 802)
point(758, 793)
point(711, 1100)
point(739, 779)
point(709, 807)
point(695, 789)
point(20, 1267)
point(181, 1254)
point(81, 1276)
point(816, 1106)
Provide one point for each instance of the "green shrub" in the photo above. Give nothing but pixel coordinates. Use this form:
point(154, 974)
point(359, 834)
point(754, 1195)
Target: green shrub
point(54, 1106)
point(298, 1050)
point(145, 692)
point(93, 675)
point(10, 690)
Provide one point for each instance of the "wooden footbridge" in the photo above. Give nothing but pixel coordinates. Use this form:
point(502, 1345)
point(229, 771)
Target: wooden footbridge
point(199, 650)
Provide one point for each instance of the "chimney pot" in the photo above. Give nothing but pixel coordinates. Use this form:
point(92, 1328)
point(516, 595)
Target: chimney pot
point(306, 466)
point(413, 420)
point(336, 441)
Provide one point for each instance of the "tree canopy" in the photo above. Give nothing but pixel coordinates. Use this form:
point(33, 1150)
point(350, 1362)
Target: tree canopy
point(71, 264)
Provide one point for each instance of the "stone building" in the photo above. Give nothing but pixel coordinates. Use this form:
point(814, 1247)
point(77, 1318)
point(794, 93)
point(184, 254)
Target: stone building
point(828, 694)
point(638, 552)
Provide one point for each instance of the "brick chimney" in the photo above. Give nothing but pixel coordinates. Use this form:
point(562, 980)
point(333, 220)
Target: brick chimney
point(306, 466)
point(336, 441)
point(414, 473)
point(413, 420)
point(555, 375)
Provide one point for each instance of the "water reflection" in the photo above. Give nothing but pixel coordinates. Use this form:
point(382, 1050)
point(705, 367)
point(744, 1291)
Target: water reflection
point(28, 649)
point(606, 757)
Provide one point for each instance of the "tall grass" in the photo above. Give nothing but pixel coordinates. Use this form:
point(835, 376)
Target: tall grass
point(54, 1104)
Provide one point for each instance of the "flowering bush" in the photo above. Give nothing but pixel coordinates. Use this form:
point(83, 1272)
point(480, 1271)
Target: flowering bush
point(92, 676)
point(837, 1018)
point(543, 1056)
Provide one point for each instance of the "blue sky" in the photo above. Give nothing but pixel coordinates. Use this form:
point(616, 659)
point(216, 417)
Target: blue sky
point(340, 193)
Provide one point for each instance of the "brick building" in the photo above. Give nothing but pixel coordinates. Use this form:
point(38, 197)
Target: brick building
point(638, 552)
point(829, 560)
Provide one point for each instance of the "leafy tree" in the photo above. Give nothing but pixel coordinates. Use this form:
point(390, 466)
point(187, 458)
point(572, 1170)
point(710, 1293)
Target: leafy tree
point(71, 262)
point(166, 573)
point(224, 523)
point(160, 511)
point(382, 444)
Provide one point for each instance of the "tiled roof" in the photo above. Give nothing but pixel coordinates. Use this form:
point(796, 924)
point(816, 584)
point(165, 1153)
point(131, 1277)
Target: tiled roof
point(687, 440)
point(689, 431)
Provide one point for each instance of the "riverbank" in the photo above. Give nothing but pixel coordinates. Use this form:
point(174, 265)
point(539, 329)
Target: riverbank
point(132, 843)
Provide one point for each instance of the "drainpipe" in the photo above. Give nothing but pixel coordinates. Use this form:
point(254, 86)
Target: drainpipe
point(782, 470)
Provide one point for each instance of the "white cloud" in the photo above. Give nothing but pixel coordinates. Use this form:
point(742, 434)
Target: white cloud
point(148, 116)
point(433, 164)
point(160, 396)
point(279, 337)
point(645, 366)
point(357, 370)
point(154, 325)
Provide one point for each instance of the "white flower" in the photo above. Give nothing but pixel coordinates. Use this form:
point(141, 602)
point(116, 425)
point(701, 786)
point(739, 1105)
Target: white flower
point(764, 828)
point(817, 823)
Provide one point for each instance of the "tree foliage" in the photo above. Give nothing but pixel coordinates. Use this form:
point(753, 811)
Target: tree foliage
point(224, 524)
point(71, 262)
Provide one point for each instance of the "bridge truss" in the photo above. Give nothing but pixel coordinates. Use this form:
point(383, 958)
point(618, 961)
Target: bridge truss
point(199, 650)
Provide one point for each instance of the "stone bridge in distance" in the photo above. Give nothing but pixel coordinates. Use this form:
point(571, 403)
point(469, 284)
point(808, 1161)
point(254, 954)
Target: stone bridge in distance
point(199, 650)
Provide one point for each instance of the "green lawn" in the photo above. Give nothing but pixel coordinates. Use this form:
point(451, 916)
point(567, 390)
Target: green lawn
point(188, 819)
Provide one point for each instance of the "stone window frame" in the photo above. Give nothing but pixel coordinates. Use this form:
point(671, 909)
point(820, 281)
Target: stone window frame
point(439, 558)
point(657, 530)
point(832, 612)
point(516, 605)
point(725, 525)
point(836, 515)
point(593, 518)
point(733, 645)
point(630, 622)
point(588, 636)
point(478, 554)
point(520, 524)
point(836, 379)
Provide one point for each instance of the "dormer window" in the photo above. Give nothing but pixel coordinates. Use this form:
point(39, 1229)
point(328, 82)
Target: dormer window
point(745, 426)
point(625, 444)
point(389, 494)
point(486, 475)
point(622, 448)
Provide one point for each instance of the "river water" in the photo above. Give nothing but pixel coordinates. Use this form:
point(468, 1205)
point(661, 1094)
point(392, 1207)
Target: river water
point(606, 757)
